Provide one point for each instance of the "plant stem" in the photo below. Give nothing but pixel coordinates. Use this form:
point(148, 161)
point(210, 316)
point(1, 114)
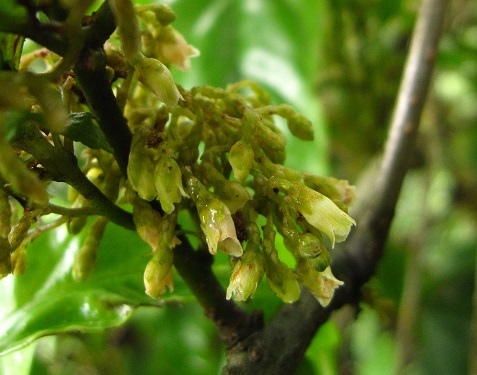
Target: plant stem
point(194, 267)
point(62, 166)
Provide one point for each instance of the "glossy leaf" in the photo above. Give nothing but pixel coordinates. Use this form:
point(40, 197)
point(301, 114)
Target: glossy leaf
point(82, 128)
point(46, 300)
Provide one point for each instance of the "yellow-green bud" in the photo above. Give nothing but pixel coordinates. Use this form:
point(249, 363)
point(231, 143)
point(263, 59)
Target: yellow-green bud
point(148, 222)
point(301, 127)
point(5, 258)
point(158, 273)
point(339, 191)
point(76, 224)
point(282, 280)
point(321, 284)
point(5, 214)
point(18, 259)
point(215, 219)
point(241, 159)
point(321, 212)
point(19, 232)
point(168, 180)
point(22, 180)
point(85, 260)
point(246, 275)
point(141, 166)
point(174, 49)
point(154, 75)
point(128, 27)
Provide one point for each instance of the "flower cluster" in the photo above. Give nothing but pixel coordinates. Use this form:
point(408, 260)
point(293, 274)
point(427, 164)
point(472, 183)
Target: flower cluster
point(216, 153)
point(219, 154)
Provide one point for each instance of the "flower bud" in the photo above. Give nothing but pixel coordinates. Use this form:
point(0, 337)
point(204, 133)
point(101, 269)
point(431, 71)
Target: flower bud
point(148, 222)
point(174, 49)
point(154, 75)
point(339, 191)
point(18, 259)
point(321, 212)
point(76, 224)
point(128, 27)
point(19, 232)
point(215, 219)
point(321, 284)
point(85, 260)
point(140, 165)
point(269, 140)
point(5, 214)
point(158, 273)
point(241, 159)
point(5, 259)
point(298, 124)
point(168, 180)
point(22, 180)
point(306, 245)
point(301, 127)
point(281, 279)
point(247, 274)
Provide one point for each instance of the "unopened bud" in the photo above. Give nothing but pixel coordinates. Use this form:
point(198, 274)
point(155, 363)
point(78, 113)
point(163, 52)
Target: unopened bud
point(241, 159)
point(141, 166)
point(19, 232)
point(154, 75)
point(158, 273)
point(18, 258)
point(321, 212)
point(5, 259)
point(321, 284)
point(5, 214)
point(85, 260)
point(22, 180)
point(168, 180)
point(215, 219)
point(246, 275)
point(281, 279)
point(148, 222)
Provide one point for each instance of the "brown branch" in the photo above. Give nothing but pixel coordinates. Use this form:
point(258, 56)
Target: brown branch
point(232, 322)
point(280, 346)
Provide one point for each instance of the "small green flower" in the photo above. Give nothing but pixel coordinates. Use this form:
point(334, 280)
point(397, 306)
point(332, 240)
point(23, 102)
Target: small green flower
point(215, 219)
point(147, 220)
point(140, 165)
point(154, 75)
point(247, 274)
point(281, 279)
point(85, 261)
point(321, 284)
point(5, 258)
point(158, 273)
point(21, 179)
point(241, 159)
point(168, 180)
point(321, 212)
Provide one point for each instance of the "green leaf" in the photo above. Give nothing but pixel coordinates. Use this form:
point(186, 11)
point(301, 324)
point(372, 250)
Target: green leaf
point(12, 15)
point(82, 128)
point(46, 300)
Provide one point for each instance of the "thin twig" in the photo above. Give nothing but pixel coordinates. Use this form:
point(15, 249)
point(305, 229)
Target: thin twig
point(280, 346)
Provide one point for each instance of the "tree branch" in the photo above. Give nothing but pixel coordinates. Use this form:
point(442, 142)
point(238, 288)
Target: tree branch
point(280, 346)
point(62, 166)
point(194, 267)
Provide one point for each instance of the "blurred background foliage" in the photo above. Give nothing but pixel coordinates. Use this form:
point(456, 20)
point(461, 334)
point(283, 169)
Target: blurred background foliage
point(339, 62)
